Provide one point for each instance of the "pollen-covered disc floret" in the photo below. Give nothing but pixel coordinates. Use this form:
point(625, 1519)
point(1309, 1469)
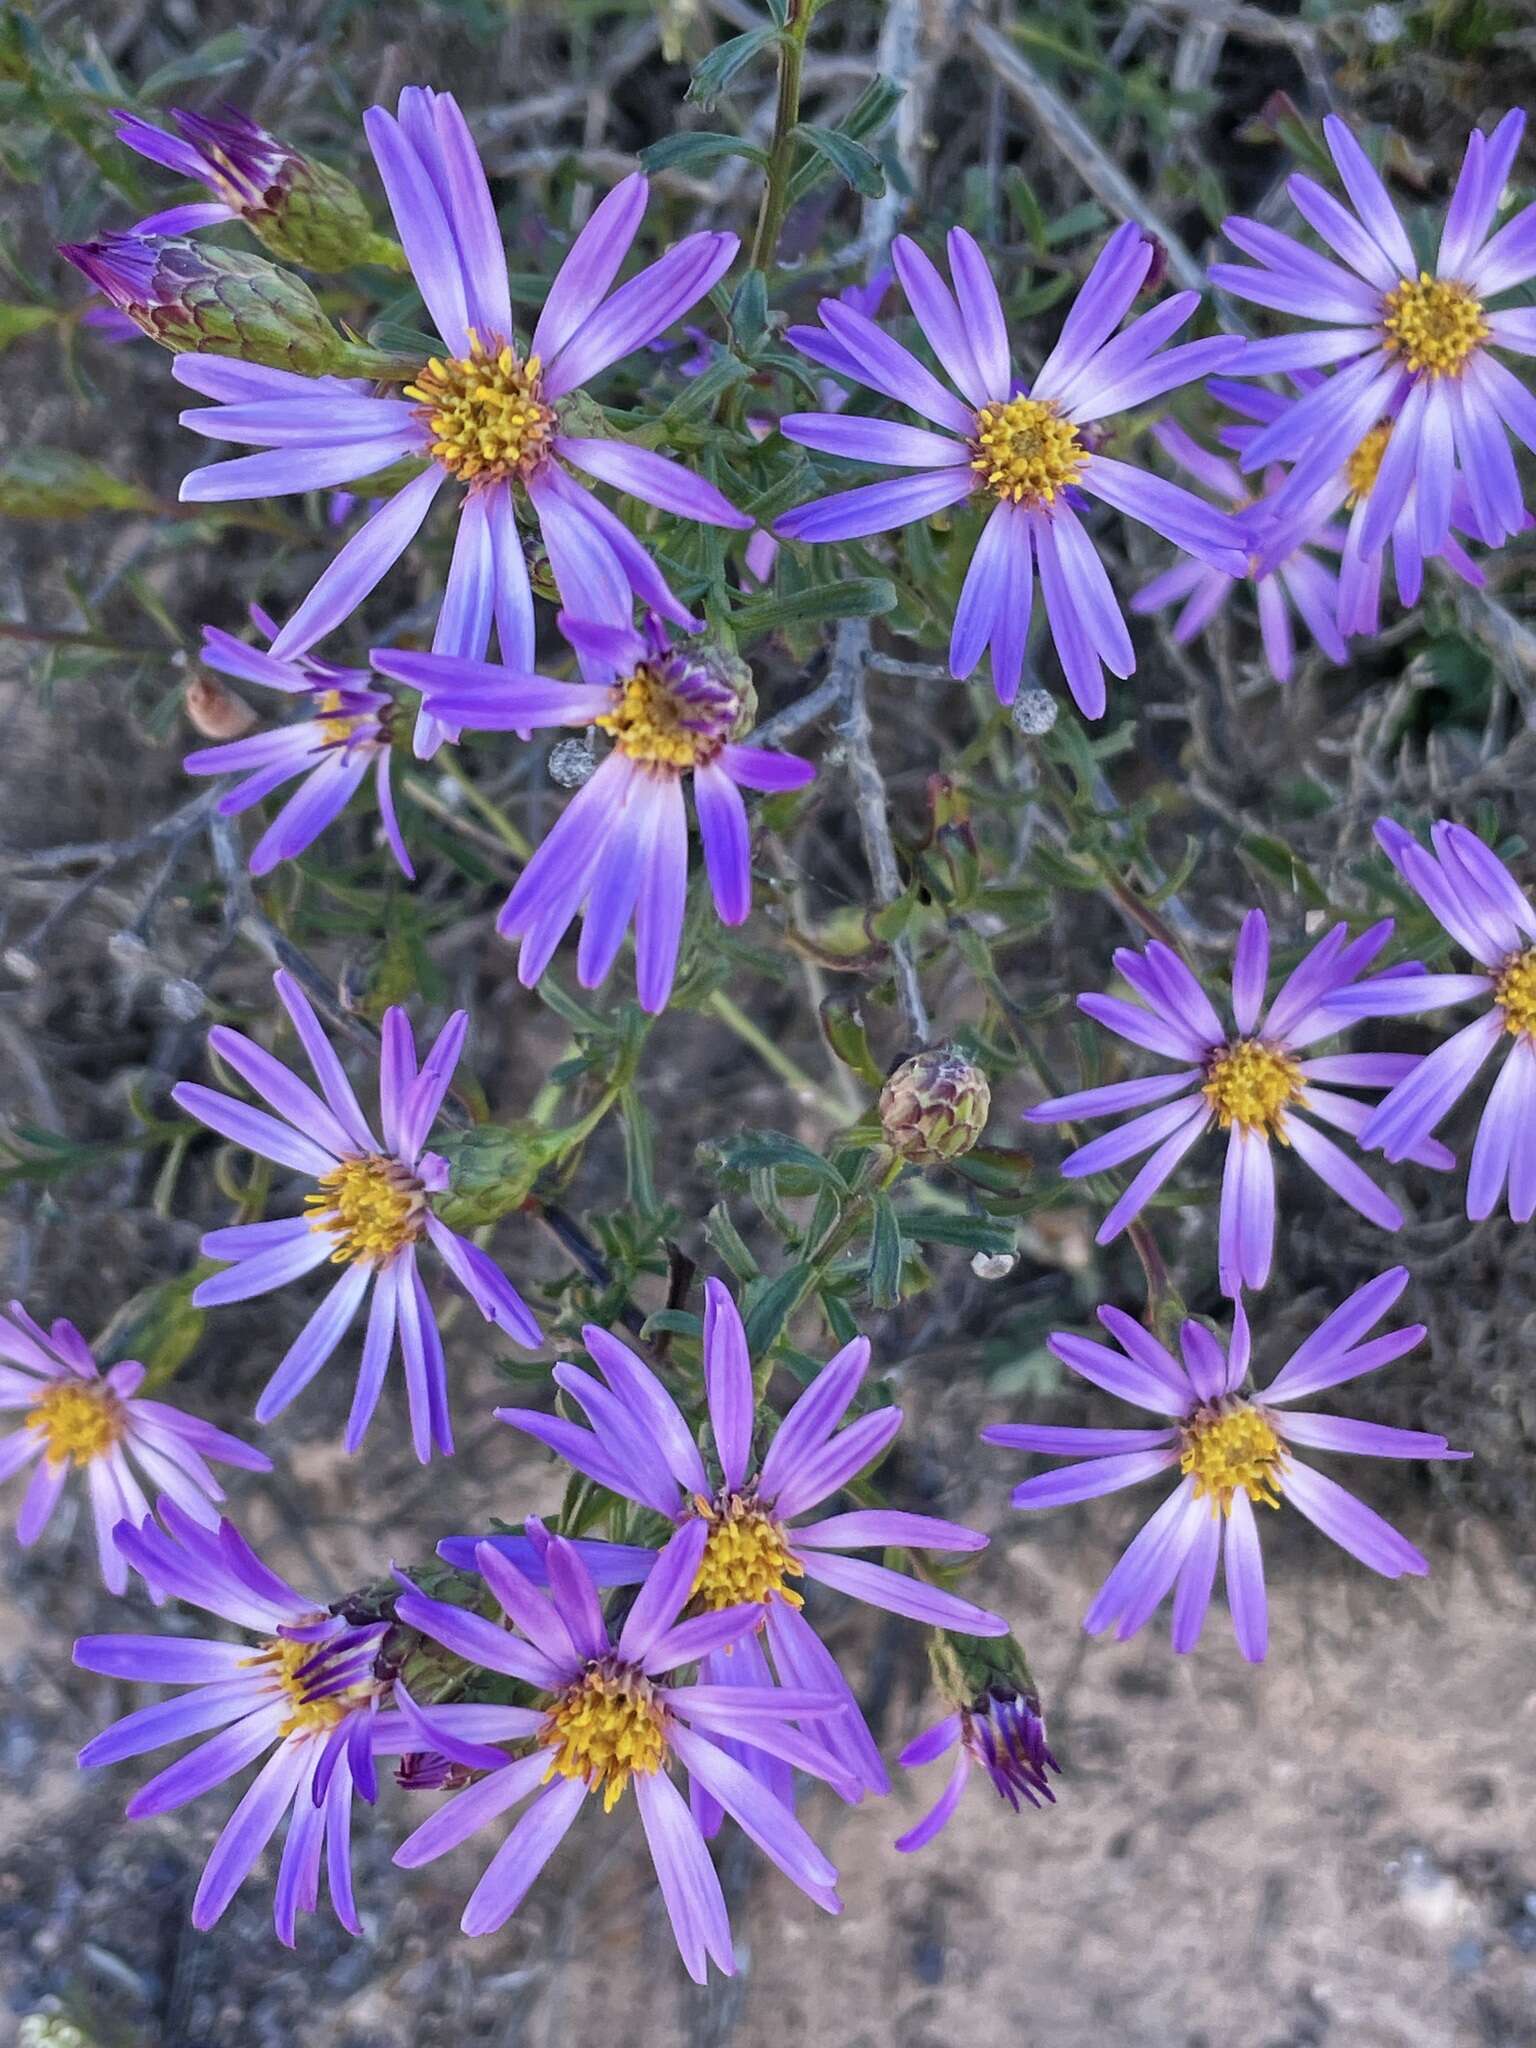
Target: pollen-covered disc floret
point(485, 411)
point(308, 1677)
point(1364, 464)
point(605, 1728)
point(746, 1557)
point(672, 712)
point(1026, 451)
point(80, 1420)
point(1433, 324)
point(1228, 1448)
point(1252, 1084)
point(1514, 990)
point(372, 1206)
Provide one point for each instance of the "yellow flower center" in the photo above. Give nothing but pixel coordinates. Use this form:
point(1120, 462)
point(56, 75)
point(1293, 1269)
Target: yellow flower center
point(1433, 323)
point(1363, 466)
point(745, 1557)
point(1250, 1083)
point(604, 1728)
point(285, 1660)
point(1515, 993)
point(671, 715)
point(337, 726)
point(1025, 450)
point(484, 411)
point(81, 1420)
point(371, 1206)
point(1228, 1449)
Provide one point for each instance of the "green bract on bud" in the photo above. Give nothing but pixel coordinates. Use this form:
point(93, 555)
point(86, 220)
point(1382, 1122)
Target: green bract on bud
point(219, 302)
point(934, 1106)
point(967, 1667)
point(492, 1169)
point(317, 217)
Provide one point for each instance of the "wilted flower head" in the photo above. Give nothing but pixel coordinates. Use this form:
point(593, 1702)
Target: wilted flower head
point(934, 1106)
point(999, 1731)
point(619, 853)
point(345, 731)
point(74, 1419)
point(1235, 1451)
point(1251, 1081)
point(213, 302)
point(302, 210)
point(613, 1719)
point(487, 413)
point(1031, 452)
point(370, 1213)
point(1419, 344)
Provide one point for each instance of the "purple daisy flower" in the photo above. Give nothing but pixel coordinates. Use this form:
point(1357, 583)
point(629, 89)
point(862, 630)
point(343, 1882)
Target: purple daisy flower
point(640, 1447)
point(619, 852)
point(370, 1211)
point(1298, 580)
point(1235, 1451)
point(77, 1419)
point(241, 164)
point(1418, 344)
point(484, 413)
point(1001, 1732)
point(613, 1719)
point(1473, 896)
point(1034, 451)
point(1360, 574)
point(308, 1698)
point(345, 731)
point(1251, 1082)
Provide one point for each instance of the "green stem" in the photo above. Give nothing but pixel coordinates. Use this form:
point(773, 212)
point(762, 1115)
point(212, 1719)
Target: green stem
point(781, 153)
point(773, 1056)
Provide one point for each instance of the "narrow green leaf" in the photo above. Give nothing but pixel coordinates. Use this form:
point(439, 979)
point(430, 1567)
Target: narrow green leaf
point(884, 1271)
point(696, 148)
point(856, 165)
point(769, 1305)
point(713, 77)
point(859, 597)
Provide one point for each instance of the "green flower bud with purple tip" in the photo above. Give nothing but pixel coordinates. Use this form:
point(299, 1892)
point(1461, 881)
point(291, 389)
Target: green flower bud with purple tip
point(214, 302)
point(303, 211)
point(934, 1106)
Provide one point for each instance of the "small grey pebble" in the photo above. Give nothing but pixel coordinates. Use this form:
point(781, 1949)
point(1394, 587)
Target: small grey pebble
point(571, 763)
point(1035, 712)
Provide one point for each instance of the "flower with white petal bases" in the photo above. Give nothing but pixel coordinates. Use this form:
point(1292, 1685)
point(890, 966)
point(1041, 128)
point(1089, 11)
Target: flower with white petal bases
point(486, 414)
point(1034, 452)
point(639, 1446)
point(76, 1420)
point(1234, 1450)
point(1252, 1081)
point(1473, 896)
point(370, 1213)
point(1419, 344)
point(344, 731)
point(615, 1717)
point(619, 853)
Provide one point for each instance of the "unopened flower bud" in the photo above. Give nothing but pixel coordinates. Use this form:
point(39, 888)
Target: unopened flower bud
point(934, 1106)
point(303, 211)
point(219, 302)
point(217, 712)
